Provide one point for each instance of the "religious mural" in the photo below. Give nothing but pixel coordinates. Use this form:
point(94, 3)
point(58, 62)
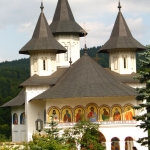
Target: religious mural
point(22, 118)
point(104, 114)
point(79, 114)
point(15, 119)
point(115, 144)
point(116, 114)
point(128, 113)
point(92, 113)
point(67, 115)
point(53, 114)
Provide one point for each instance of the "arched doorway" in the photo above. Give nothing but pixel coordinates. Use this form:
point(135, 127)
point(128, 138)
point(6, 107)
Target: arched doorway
point(115, 145)
point(128, 143)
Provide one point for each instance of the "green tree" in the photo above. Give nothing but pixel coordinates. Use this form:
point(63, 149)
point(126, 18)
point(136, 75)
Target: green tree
point(144, 96)
point(85, 134)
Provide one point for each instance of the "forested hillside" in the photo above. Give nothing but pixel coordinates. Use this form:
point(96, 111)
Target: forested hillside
point(11, 75)
point(15, 72)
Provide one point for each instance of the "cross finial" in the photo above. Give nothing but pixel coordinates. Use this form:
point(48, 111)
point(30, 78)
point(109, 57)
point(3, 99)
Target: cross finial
point(42, 7)
point(85, 49)
point(38, 115)
point(70, 62)
point(119, 5)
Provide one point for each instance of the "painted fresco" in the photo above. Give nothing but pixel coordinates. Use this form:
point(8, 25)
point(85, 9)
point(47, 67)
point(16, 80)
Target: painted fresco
point(92, 113)
point(128, 113)
point(104, 114)
point(116, 114)
point(53, 114)
point(22, 118)
point(15, 119)
point(67, 115)
point(79, 114)
point(115, 144)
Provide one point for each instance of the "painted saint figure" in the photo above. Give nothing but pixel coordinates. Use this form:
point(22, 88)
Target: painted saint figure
point(129, 114)
point(92, 116)
point(79, 115)
point(15, 119)
point(117, 115)
point(22, 118)
point(55, 116)
point(105, 115)
point(67, 117)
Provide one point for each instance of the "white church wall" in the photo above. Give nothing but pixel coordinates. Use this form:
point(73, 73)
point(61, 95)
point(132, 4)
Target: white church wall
point(42, 63)
point(72, 43)
point(33, 109)
point(18, 128)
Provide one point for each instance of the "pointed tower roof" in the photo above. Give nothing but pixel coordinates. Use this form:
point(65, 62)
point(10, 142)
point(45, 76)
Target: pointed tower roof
point(63, 20)
point(42, 38)
point(121, 37)
point(86, 78)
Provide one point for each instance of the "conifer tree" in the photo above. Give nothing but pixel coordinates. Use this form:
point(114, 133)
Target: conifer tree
point(144, 97)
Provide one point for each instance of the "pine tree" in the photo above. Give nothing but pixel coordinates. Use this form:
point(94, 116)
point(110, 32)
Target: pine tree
point(144, 97)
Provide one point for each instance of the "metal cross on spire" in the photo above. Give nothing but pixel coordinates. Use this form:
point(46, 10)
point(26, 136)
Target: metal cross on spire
point(42, 7)
point(119, 5)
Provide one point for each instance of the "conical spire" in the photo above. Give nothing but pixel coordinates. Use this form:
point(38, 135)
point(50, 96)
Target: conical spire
point(42, 38)
point(63, 20)
point(121, 37)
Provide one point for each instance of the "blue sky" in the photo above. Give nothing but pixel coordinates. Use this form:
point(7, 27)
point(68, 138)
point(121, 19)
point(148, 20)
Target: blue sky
point(19, 17)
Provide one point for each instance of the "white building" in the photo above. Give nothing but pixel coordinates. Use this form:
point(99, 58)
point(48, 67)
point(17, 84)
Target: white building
point(85, 86)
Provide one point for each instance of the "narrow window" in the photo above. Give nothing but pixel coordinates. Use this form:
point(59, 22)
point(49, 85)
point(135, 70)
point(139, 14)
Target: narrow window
point(124, 60)
point(44, 67)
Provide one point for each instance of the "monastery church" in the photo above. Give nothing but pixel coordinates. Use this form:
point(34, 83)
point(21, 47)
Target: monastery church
point(67, 86)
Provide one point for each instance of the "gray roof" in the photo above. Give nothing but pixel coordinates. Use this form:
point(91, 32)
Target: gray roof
point(42, 39)
point(63, 20)
point(87, 78)
point(17, 101)
point(121, 37)
point(45, 80)
point(123, 78)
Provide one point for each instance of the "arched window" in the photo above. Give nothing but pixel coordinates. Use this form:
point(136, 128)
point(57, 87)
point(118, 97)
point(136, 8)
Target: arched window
point(115, 145)
point(128, 143)
point(22, 118)
point(15, 119)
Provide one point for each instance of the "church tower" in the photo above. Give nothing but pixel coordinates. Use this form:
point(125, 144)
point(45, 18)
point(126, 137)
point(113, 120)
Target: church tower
point(42, 48)
point(67, 32)
point(122, 47)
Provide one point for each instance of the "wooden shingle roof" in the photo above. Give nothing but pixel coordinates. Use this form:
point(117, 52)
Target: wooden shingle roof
point(121, 37)
point(42, 39)
point(87, 78)
point(17, 101)
point(63, 20)
point(51, 80)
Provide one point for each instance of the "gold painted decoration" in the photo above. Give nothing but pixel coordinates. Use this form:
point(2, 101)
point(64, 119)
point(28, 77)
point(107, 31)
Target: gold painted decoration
point(128, 113)
point(53, 114)
point(116, 114)
point(79, 114)
point(92, 113)
point(67, 115)
point(104, 114)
